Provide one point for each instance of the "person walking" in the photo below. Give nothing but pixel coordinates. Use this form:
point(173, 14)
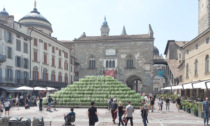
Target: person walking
point(152, 102)
point(92, 114)
point(144, 115)
point(7, 107)
point(17, 102)
point(55, 102)
point(40, 103)
point(205, 111)
point(129, 112)
point(110, 102)
point(178, 103)
point(113, 110)
point(120, 112)
point(160, 103)
point(49, 103)
point(167, 103)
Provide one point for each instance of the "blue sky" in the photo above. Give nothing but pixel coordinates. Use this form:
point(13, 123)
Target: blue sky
point(170, 19)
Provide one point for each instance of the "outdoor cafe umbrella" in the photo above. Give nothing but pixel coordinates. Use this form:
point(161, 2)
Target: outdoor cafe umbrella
point(39, 88)
point(23, 88)
point(51, 89)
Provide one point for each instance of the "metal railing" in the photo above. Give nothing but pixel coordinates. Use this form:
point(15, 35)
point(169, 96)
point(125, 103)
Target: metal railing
point(2, 58)
point(41, 83)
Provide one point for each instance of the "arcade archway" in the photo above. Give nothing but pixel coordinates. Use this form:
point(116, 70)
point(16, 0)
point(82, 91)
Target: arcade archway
point(135, 83)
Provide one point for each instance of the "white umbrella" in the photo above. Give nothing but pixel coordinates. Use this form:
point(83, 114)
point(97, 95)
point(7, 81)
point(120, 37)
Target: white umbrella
point(51, 89)
point(176, 87)
point(39, 88)
point(188, 86)
point(23, 88)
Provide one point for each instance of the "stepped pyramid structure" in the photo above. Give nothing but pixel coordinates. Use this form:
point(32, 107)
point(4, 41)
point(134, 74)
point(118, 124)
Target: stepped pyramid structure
point(98, 89)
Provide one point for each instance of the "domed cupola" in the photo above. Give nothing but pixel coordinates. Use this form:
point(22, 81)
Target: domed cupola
point(35, 19)
point(4, 13)
point(155, 51)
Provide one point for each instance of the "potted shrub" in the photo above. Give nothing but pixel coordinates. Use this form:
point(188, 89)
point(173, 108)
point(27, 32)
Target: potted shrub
point(195, 109)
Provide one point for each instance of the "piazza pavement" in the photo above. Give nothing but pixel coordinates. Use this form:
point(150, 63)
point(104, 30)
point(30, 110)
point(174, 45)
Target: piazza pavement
point(165, 118)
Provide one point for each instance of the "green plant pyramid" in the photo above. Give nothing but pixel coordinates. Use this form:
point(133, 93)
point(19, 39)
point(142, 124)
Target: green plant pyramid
point(98, 89)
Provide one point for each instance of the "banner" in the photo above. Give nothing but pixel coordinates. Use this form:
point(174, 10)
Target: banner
point(110, 73)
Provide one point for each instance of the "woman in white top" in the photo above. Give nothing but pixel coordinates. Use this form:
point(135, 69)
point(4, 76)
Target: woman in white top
point(17, 101)
point(7, 106)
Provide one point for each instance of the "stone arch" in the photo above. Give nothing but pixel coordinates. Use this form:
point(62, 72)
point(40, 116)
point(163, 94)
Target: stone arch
point(134, 82)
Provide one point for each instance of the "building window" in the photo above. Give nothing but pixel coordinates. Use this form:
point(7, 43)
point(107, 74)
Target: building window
point(60, 78)
point(59, 52)
point(25, 48)
point(196, 46)
point(66, 78)
point(187, 70)
point(92, 63)
point(45, 75)
point(35, 73)
point(207, 64)
point(45, 58)
point(188, 51)
point(65, 54)
point(35, 56)
point(25, 63)
point(18, 36)
point(59, 63)
point(180, 78)
point(196, 67)
point(25, 77)
point(9, 74)
point(18, 61)
point(130, 62)
point(207, 40)
point(110, 63)
point(9, 37)
point(18, 76)
point(45, 46)
point(18, 45)
point(53, 61)
point(9, 52)
point(53, 49)
point(53, 76)
point(65, 65)
point(35, 42)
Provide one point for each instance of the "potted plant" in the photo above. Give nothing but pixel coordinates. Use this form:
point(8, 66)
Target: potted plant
point(195, 109)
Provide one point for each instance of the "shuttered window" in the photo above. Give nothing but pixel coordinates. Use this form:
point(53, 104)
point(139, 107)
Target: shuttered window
point(18, 45)
point(35, 42)
point(45, 58)
point(45, 46)
point(35, 56)
point(25, 48)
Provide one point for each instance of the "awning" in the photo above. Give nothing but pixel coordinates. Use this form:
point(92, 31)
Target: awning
point(8, 88)
point(51, 89)
point(23, 88)
point(38, 88)
point(188, 86)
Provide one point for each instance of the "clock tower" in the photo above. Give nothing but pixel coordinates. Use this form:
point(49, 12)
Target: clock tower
point(204, 15)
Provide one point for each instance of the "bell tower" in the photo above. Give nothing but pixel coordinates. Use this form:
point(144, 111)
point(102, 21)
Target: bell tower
point(204, 15)
point(105, 28)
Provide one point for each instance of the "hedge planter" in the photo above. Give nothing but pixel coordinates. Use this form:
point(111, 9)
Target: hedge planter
point(181, 107)
point(195, 114)
point(188, 111)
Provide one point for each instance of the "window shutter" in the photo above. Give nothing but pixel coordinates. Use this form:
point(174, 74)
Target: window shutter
point(6, 74)
point(0, 74)
point(6, 52)
point(22, 63)
point(22, 77)
point(37, 75)
point(16, 76)
point(11, 74)
point(46, 76)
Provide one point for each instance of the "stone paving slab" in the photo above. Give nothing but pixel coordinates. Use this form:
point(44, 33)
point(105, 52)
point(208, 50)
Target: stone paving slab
point(164, 118)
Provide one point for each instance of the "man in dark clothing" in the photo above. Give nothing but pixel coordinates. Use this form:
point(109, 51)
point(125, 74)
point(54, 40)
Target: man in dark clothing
point(113, 110)
point(178, 103)
point(40, 103)
point(70, 117)
point(92, 114)
point(49, 103)
point(167, 103)
point(144, 110)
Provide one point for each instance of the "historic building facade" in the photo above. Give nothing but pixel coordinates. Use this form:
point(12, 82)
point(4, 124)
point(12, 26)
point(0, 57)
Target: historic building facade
point(128, 58)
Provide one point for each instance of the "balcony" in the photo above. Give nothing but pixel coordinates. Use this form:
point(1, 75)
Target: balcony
point(2, 58)
point(41, 83)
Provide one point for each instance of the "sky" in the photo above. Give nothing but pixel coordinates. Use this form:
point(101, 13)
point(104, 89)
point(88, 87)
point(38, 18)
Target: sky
point(170, 19)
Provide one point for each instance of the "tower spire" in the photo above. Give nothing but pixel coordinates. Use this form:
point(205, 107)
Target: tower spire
point(34, 3)
point(123, 31)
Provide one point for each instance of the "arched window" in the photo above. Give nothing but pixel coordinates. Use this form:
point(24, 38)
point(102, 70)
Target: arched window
point(196, 67)
point(45, 75)
point(187, 70)
point(66, 78)
point(60, 77)
point(35, 73)
point(53, 76)
point(207, 64)
point(92, 63)
point(107, 64)
point(129, 62)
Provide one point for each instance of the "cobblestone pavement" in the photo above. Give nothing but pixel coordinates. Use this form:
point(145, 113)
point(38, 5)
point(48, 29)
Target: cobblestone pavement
point(165, 118)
